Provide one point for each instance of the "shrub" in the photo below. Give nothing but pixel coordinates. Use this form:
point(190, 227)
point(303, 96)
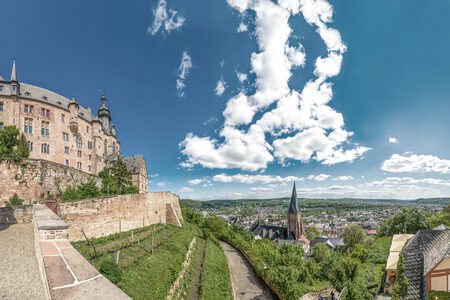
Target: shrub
point(14, 201)
point(440, 295)
point(111, 270)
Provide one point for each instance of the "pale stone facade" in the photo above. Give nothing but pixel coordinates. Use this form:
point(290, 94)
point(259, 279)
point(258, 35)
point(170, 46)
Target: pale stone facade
point(56, 128)
point(138, 169)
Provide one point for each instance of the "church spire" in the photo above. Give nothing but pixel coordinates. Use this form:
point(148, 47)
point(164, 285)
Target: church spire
point(13, 71)
point(293, 207)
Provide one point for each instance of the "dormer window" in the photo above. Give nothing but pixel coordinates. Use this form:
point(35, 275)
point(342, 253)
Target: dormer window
point(59, 103)
point(1, 88)
point(28, 94)
point(44, 98)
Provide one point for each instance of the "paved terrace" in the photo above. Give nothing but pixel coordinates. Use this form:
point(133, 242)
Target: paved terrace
point(68, 274)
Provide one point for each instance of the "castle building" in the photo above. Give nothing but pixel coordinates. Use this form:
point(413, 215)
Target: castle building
point(137, 167)
point(58, 129)
point(292, 234)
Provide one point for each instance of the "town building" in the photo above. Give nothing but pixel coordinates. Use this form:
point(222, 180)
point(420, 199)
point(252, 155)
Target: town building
point(58, 129)
point(138, 169)
point(332, 243)
point(292, 234)
point(397, 244)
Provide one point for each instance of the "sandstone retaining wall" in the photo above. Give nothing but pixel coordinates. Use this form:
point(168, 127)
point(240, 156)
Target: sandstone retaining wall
point(16, 214)
point(107, 215)
point(33, 180)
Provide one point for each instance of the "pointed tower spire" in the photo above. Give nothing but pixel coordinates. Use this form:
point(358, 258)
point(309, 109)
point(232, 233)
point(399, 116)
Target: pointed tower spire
point(293, 207)
point(13, 71)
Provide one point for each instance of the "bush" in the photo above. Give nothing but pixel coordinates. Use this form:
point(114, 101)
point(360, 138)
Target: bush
point(111, 270)
point(440, 295)
point(14, 201)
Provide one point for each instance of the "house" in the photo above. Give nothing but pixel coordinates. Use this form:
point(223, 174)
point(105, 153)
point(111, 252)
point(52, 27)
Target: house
point(398, 242)
point(332, 243)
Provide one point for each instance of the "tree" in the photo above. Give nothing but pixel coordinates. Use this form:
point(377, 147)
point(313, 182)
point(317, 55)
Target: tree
point(117, 179)
point(359, 253)
point(353, 235)
point(320, 252)
point(88, 190)
point(442, 218)
point(14, 201)
point(312, 232)
point(13, 145)
point(409, 220)
point(120, 172)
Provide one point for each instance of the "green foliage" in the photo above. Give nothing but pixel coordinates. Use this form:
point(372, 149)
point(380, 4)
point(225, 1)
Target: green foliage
point(111, 270)
point(13, 145)
point(353, 234)
point(438, 295)
point(359, 253)
point(409, 220)
point(88, 190)
point(320, 252)
point(130, 189)
point(379, 250)
point(117, 179)
point(14, 200)
point(442, 218)
point(70, 194)
point(312, 232)
point(401, 282)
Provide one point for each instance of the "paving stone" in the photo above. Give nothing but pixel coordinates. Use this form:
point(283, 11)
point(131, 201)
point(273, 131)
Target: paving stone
point(57, 272)
point(82, 269)
point(47, 248)
point(63, 244)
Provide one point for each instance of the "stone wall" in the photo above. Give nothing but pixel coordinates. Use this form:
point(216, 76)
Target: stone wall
point(16, 214)
point(107, 215)
point(34, 180)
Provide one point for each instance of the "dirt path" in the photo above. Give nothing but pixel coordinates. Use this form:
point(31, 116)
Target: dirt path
point(244, 280)
point(19, 272)
point(198, 271)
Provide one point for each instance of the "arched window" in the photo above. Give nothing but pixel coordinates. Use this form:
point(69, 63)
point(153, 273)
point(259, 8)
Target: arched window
point(106, 147)
point(114, 147)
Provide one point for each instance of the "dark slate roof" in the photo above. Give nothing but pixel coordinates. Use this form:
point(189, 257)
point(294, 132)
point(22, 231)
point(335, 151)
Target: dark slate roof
point(270, 232)
point(332, 243)
point(134, 163)
point(293, 207)
point(423, 252)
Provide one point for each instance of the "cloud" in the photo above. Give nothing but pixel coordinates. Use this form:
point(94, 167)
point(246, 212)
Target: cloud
point(290, 125)
point(183, 71)
point(153, 175)
point(343, 178)
point(416, 163)
point(167, 20)
point(186, 189)
point(163, 183)
point(393, 140)
point(321, 177)
point(196, 181)
point(210, 120)
point(251, 179)
point(220, 87)
point(242, 77)
point(242, 27)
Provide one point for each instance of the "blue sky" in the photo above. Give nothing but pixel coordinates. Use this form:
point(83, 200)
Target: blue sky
point(237, 98)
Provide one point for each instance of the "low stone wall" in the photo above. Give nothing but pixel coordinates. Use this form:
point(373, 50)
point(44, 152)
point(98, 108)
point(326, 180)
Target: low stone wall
point(103, 216)
point(33, 179)
point(16, 214)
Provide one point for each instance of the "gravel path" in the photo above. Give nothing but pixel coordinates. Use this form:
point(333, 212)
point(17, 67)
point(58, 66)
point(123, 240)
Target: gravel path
point(19, 272)
point(245, 283)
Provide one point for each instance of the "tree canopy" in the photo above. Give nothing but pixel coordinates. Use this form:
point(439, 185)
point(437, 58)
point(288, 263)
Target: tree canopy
point(409, 220)
point(13, 145)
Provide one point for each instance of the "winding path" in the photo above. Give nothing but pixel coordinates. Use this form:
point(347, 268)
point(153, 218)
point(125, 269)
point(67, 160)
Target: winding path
point(245, 283)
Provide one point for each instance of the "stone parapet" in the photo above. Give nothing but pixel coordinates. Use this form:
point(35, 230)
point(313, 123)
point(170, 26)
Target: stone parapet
point(16, 214)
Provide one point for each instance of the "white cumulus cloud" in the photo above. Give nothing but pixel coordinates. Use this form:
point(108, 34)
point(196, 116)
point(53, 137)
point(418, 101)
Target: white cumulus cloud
point(182, 72)
point(393, 140)
point(186, 189)
point(320, 177)
point(165, 20)
point(343, 178)
point(242, 27)
point(302, 125)
point(251, 179)
point(416, 163)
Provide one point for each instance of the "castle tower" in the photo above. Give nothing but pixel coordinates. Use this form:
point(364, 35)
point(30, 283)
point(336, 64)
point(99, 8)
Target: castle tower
point(15, 86)
point(295, 226)
point(103, 113)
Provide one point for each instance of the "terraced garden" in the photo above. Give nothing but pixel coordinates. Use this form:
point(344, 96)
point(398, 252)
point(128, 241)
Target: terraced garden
point(147, 261)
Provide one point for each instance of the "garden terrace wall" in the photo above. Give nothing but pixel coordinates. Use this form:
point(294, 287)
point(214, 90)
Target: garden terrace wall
point(16, 214)
point(107, 215)
point(33, 180)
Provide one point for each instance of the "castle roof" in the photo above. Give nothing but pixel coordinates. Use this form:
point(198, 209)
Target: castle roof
point(422, 253)
point(293, 206)
point(134, 163)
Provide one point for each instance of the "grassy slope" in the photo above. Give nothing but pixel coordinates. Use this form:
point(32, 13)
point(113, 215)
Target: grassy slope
point(150, 277)
point(215, 280)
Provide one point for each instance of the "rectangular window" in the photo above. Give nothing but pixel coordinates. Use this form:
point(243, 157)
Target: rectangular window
point(1, 88)
point(31, 109)
point(90, 157)
point(67, 162)
point(66, 150)
point(43, 112)
point(45, 131)
point(47, 113)
point(87, 129)
point(45, 148)
point(90, 168)
point(26, 108)
point(79, 142)
point(28, 126)
point(79, 153)
point(90, 145)
point(65, 136)
point(1, 125)
point(30, 146)
point(79, 165)
point(1, 106)
point(62, 117)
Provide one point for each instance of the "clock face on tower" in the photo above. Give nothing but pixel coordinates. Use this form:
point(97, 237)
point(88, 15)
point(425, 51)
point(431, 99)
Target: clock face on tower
point(113, 131)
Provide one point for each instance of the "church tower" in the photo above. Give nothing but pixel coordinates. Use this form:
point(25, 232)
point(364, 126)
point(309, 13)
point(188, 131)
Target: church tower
point(295, 226)
point(103, 113)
